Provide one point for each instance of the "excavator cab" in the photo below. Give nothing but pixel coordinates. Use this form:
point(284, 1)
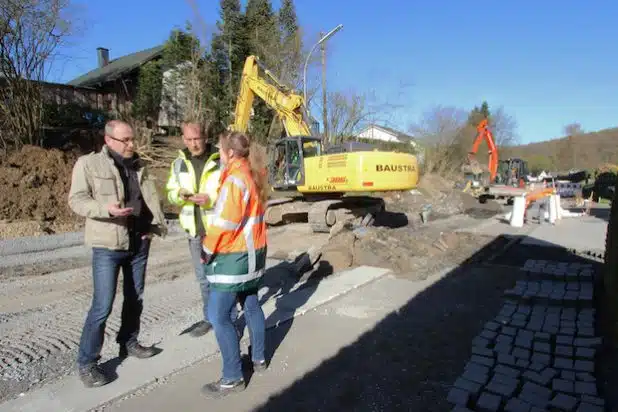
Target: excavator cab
point(287, 156)
point(512, 172)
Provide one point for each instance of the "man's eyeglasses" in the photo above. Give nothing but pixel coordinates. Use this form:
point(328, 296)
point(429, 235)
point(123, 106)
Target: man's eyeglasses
point(125, 141)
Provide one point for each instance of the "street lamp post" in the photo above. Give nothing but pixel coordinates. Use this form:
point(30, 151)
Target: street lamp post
point(322, 40)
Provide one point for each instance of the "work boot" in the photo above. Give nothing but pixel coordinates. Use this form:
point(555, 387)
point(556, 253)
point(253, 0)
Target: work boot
point(305, 262)
point(260, 366)
point(200, 329)
point(92, 376)
point(136, 350)
point(223, 387)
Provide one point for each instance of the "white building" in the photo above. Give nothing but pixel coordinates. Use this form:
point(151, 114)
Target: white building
point(385, 134)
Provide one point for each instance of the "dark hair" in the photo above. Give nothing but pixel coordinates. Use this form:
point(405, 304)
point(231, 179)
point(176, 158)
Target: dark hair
point(243, 147)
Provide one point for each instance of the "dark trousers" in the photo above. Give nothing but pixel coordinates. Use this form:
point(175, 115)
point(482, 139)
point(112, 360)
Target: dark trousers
point(106, 266)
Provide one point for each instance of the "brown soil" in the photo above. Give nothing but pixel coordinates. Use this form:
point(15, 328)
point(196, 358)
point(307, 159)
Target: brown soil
point(34, 184)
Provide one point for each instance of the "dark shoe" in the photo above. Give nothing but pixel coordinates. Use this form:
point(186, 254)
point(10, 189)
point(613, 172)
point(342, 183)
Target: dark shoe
point(92, 376)
point(260, 366)
point(200, 329)
point(223, 387)
point(138, 351)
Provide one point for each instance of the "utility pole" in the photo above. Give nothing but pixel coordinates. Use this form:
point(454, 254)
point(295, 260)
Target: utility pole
point(324, 106)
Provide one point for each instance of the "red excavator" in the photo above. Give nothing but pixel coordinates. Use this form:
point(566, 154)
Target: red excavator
point(502, 179)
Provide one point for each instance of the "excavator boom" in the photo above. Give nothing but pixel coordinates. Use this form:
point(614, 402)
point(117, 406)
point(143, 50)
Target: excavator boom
point(483, 133)
point(298, 162)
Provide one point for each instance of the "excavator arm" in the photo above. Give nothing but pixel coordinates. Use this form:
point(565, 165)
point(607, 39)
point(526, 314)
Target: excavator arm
point(287, 105)
point(483, 133)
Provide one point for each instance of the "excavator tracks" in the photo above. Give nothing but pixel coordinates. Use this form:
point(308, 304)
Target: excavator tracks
point(323, 215)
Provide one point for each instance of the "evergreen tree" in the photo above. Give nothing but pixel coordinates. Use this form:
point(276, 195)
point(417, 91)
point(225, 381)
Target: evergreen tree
point(228, 53)
point(479, 113)
point(264, 41)
point(291, 43)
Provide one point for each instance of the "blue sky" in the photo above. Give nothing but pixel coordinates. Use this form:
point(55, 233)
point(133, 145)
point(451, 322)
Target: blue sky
point(547, 63)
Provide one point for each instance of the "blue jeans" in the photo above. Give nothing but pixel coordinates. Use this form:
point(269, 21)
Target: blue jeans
point(106, 266)
point(219, 307)
point(195, 247)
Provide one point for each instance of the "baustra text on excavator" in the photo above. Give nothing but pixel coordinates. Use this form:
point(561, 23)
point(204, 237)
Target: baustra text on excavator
point(325, 185)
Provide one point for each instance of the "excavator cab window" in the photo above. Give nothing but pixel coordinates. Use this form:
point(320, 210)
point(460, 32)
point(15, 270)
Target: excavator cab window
point(287, 164)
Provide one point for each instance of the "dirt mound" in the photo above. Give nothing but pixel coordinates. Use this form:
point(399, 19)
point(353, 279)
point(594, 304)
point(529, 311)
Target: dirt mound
point(413, 252)
point(34, 184)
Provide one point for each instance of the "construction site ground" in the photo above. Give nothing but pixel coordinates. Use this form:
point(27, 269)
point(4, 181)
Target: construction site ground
point(388, 314)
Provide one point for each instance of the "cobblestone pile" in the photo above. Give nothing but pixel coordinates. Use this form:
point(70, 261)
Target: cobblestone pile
point(538, 353)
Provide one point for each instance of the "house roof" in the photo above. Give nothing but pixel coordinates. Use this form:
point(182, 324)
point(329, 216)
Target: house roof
point(399, 135)
point(117, 67)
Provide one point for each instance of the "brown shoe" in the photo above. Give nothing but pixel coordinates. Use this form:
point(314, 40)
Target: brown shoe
point(138, 351)
point(92, 376)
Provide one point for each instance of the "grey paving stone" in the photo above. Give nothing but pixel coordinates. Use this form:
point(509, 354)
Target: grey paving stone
point(564, 340)
point(516, 405)
point(589, 407)
point(536, 395)
point(476, 375)
point(519, 316)
point(503, 320)
point(492, 326)
point(525, 334)
point(508, 330)
point(563, 363)
point(467, 385)
point(588, 342)
point(586, 332)
point(501, 389)
point(521, 353)
point(563, 350)
point(535, 377)
point(586, 388)
point(595, 400)
point(522, 363)
point(563, 385)
point(541, 358)
point(567, 331)
point(564, 402)
point(504, 339)
point(520, 323)
point(483, 360)
point(479, 351)
point(568, 324)
point(583, 366)
point(508, 360)
point(506, 370)
point(502, 348)
point(505, 379)
point(568, 375)
point(585, 377)
point(542, 336)
point(535, 325)
point(536, 367)
point(488, 334)
point(458, 396)
point(550, 373)
point(488, 402)
point(542, 347)
point(481, 342)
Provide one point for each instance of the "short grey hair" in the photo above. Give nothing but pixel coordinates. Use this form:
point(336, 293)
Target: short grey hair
point(110, 126)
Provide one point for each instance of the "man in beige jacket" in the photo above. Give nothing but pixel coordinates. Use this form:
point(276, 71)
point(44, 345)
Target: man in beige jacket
point(113, 190)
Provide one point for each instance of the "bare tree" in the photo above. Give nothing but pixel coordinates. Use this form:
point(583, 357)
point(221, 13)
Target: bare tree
point(572, 131)
point(443, 134)
point(504, 128)
point(32, 31)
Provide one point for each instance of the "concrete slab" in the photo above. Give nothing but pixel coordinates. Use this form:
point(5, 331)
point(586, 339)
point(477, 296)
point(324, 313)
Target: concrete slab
point(580, 233)
point(311, 340)
point(68, 394)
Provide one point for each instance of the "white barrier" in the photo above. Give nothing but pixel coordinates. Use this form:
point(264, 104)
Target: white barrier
point(519, 209)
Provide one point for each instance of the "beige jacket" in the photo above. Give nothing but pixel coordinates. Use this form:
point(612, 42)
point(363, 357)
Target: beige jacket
point(95, 184)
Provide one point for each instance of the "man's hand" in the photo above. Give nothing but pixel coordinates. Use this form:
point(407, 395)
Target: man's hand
point(114, 209)
point(200, 199)
point(184, 194)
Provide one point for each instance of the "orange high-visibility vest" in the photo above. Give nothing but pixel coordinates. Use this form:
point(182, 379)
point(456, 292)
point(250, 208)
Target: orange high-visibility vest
point(236, 238)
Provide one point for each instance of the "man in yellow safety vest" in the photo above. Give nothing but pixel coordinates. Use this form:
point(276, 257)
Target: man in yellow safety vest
point(192, 184)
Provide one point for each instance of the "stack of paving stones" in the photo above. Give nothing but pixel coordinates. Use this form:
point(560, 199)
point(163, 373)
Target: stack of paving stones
point(538, 353)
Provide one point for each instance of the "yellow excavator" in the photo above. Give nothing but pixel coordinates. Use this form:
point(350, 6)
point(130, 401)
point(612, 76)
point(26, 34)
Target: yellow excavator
point(327, 187)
